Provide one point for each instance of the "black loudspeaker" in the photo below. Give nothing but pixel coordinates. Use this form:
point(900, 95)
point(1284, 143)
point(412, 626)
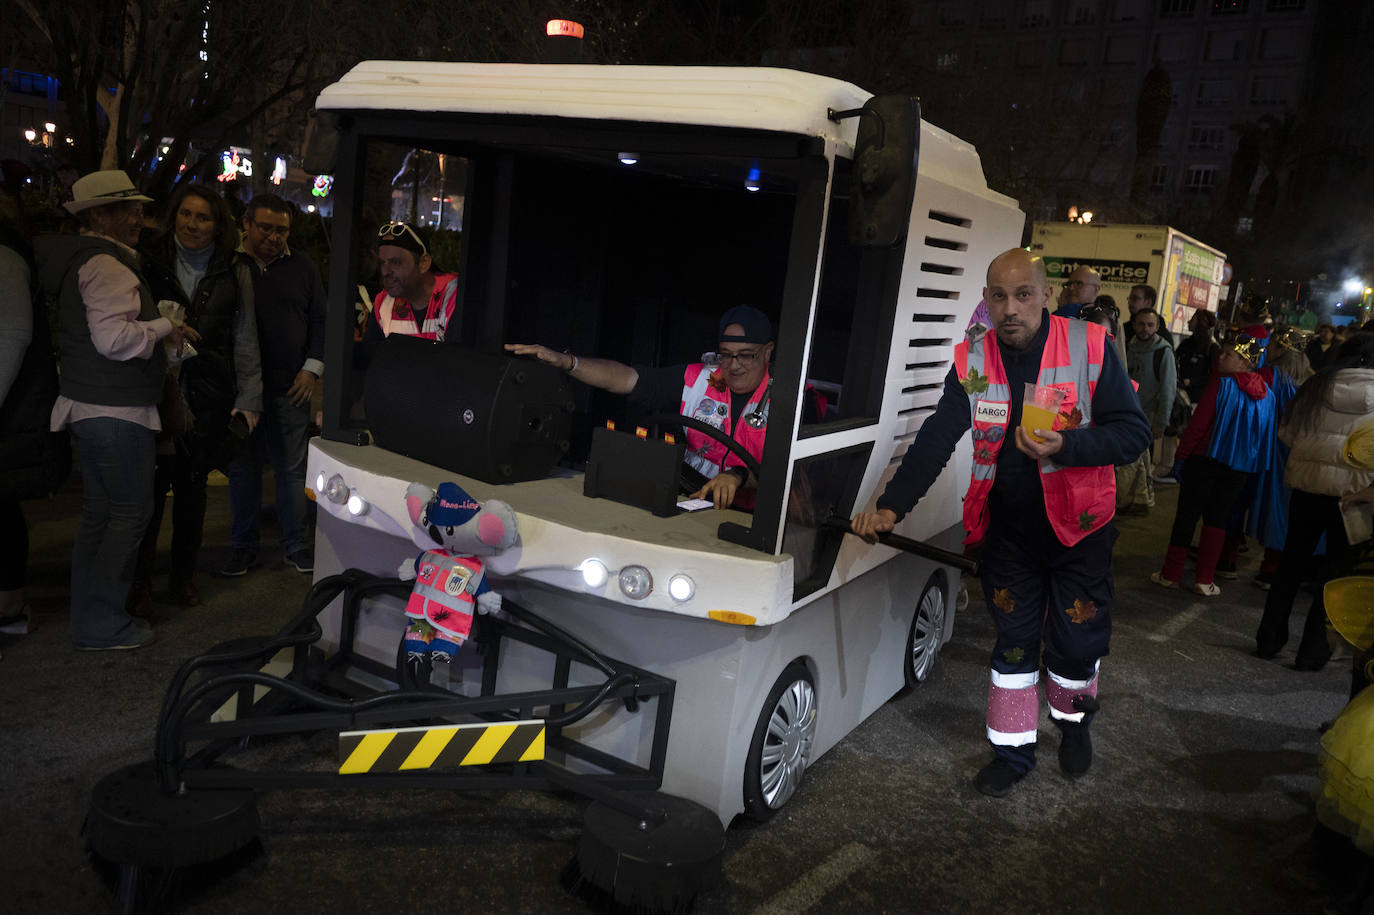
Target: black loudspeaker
point(490, 417)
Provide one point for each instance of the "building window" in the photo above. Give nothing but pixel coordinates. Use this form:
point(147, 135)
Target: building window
point(1201, 178)
point(1037, 14)
point(1285, 6)
point(1030, 53)
point(1123, 49)
point(1176, 9)
point(1280, 44)
point(1206, 136)
point(1075, 51)
point(1213, 93)
point(1080, 12)
point(947, 61)
point(1172, 49)
point(1128, 10)
point(1245, 225)
point(994, 14)
point(1229, 7)
point(1223, 46)
point(953, 15)
point(1159, 176)
point(1268, 90)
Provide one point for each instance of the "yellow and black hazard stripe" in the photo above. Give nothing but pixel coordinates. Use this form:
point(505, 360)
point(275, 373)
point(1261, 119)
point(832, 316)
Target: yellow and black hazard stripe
point(402, 749)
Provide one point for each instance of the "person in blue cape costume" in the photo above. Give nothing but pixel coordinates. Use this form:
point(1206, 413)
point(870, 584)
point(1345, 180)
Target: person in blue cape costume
point(1230, 435)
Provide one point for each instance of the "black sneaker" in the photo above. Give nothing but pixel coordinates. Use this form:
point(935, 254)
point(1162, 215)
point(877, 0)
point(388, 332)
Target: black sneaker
point(1075, 752)
point(303, 560)
point(239, 563)
point(1227, 570)
point(996, 778)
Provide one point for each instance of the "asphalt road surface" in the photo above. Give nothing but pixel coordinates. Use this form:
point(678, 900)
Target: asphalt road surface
point(1200, 798)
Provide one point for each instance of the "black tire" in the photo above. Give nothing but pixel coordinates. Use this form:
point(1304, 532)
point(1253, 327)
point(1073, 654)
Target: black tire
point(781, 747)
point(924, 640)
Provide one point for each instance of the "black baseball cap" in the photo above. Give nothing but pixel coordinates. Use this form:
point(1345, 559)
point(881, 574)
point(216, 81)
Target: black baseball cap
point(757, 327)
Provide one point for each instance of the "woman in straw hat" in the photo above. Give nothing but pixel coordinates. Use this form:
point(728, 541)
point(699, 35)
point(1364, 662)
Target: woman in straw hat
point(113, 366)
point(1316, 427)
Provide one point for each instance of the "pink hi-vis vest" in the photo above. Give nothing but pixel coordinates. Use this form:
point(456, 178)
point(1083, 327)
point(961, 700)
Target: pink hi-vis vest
point(445, 592)
point(392, 319)
point(702, 400)
point(1078, 500)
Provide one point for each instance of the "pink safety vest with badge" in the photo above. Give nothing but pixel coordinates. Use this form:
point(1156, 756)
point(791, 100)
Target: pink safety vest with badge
point(1078, 500)
point(710, 403)
point(445, 592)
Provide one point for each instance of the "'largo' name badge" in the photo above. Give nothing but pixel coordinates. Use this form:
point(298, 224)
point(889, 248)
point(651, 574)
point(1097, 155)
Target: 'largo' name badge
point(987, 412)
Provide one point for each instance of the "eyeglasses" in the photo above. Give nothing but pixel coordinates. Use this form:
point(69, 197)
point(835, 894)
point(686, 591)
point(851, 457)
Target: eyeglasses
point(270, 230)
point(745, 359)
point(398, 229)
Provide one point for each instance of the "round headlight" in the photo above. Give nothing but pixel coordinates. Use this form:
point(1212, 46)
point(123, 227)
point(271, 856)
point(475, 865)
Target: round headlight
point(320, 482)
point(357, 505)
point(334, 489)
point(636, 582)
point(594, 572)
point(681, 588)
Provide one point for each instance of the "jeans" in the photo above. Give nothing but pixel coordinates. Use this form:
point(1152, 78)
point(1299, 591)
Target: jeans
point(280, 439)
point(117, 460)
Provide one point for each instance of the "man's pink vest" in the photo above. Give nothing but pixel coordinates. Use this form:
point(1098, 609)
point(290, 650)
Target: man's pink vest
point(442, 303)
point(1078, 500)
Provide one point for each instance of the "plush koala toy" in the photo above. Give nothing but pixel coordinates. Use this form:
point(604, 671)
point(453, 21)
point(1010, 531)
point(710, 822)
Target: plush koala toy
point(449, 583)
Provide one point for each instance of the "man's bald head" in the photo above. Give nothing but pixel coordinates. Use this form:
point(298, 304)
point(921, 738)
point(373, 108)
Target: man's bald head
point(1083, 285)
point(1016, 295)
point(1019, 257)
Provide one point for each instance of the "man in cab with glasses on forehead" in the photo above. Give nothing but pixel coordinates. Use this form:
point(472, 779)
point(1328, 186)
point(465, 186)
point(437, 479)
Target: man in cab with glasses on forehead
point(289, 302)
point(416, 299)
point(731, 393)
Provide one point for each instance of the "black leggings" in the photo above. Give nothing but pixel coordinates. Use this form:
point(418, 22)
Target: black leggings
point(1208, 490)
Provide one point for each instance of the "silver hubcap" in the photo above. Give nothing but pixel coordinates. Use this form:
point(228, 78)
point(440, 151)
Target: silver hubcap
point(787, 745)
point(930, 625)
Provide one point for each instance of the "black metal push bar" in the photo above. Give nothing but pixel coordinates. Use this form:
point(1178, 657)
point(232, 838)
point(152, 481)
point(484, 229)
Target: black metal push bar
point(906, 544)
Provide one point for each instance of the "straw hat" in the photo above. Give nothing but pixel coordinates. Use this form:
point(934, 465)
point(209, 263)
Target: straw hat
point(102, 188)
point(1359, 447)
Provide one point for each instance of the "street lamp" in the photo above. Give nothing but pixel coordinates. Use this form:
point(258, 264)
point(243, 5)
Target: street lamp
point(30, 135)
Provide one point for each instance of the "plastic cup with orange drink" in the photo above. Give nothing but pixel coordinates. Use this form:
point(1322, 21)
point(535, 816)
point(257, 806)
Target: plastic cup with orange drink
point(1040, 408)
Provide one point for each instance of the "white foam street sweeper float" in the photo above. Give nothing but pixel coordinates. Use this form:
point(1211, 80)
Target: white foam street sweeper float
point(678, 667)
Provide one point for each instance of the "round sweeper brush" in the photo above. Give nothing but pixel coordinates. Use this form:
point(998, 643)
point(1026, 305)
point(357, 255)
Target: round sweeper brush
point(657, 863)
point(133, 822)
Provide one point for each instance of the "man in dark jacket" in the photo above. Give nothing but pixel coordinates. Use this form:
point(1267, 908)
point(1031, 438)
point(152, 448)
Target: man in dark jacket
point(1039, 506)
point(290, 308)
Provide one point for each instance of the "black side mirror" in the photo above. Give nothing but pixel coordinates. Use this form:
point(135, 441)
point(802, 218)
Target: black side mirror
point(885, 153)
point(321, 143)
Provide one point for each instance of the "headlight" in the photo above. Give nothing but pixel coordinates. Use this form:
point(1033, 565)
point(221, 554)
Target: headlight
point(357, 505)
point(681, 588)
point(594, 573)
point(332, 489)
point(636, 582)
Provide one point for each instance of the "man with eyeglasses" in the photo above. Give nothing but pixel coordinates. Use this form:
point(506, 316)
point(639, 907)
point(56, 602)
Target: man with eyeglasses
point(731, 394)
point(1079, 289)
point(289, 303)
point(408, 278)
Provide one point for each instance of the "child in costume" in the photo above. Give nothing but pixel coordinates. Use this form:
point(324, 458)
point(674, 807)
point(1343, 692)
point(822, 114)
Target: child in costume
point(1229, 436)
point(450, 580)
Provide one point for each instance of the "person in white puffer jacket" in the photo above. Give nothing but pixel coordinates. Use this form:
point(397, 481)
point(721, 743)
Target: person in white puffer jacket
point(1327, 408)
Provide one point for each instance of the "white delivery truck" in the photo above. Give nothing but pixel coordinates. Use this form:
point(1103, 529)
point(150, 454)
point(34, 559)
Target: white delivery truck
point(1186, 273)
point(703, 656)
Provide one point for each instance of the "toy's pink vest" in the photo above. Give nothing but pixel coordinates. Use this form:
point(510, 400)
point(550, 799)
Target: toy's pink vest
point(445, 592)
point(1078, 500)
